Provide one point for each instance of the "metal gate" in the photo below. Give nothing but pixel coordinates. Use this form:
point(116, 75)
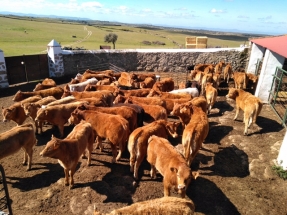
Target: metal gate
point(278, 94)
point(26, 68)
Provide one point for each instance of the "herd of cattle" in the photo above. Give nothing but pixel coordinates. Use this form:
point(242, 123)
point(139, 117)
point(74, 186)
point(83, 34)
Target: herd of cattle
point(130, 111)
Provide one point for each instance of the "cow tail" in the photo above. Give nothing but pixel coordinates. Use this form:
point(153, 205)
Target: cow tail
point(133, 140)
point(189, 140)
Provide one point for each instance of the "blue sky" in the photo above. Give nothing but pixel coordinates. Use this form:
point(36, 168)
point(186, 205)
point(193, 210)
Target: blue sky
point(255, 16)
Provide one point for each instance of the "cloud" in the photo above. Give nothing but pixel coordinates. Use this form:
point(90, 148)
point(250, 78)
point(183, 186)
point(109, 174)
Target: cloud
point(213, 10)
point(265, 18)
point(243, 17)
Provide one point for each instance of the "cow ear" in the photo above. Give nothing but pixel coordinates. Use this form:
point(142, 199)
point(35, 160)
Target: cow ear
point(173, 169)
point(195, 174)
point(2, 107)
point(56, 145)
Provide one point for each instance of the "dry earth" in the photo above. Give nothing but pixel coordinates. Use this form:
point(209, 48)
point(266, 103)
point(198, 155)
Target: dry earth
point(236, 175)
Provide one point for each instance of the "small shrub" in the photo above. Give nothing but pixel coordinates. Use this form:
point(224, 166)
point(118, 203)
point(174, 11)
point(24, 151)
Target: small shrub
point(146, 42)
point(280, 171)
point(158, 43)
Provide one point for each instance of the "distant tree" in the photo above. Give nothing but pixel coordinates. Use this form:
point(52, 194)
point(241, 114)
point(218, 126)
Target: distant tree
point(111, 38)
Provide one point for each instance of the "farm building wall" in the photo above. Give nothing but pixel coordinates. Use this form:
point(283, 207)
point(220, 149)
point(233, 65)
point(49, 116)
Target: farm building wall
point(151, 60)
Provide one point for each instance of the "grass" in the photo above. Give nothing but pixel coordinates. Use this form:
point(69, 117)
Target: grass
point(28, 35)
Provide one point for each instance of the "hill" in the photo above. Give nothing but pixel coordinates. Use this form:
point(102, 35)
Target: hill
point(25, 35)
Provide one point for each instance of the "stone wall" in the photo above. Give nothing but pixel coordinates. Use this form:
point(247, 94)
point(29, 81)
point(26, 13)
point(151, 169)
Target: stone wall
point(152, 60)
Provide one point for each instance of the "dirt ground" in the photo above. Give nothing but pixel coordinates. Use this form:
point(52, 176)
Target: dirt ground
point(236, 175)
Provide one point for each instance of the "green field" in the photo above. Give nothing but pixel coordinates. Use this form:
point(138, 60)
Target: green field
point(29, 35)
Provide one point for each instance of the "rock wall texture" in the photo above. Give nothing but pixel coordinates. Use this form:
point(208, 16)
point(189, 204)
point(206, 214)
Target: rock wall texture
point(150, 61)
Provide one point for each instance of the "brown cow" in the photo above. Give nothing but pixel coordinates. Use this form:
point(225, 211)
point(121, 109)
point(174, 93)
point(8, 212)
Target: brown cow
point(113, 127)
point(40, 86)
point(164, 205)
point(183, 111)
point(57, 115)
point(147, 83)
point(126, 112)
point(163, 157)
point(16, 112)
point(194, 133)
point(240, 80)
point(250, 104)
point(211, 95)
point(49, 81)
point(219, 66)
point(31, 109)
point(138, 140)
point(137, 92)
point(22, 136)
point(69, 150)
point(165, 85)
point(57, 92)
point(151, 112)
point(103, 94)
point(227, 72)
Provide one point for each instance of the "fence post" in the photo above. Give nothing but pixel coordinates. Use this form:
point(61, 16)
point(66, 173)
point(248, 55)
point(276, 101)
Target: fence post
point(3, 71)
point(55, 59)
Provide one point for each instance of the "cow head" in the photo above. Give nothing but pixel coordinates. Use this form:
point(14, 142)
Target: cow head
point(52, 148)
point(176, 109)
point(8, 114)
point(75, 118)
point(232, 93)
point(119, 99)
point(172, 128)
point(42, 114)
point(183, 178)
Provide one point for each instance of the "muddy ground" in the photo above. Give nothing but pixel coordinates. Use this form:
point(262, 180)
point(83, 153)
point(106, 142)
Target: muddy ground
point(236, 175)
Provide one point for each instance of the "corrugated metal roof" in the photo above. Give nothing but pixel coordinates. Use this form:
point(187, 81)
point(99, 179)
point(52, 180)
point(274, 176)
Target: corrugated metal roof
point(275, 44)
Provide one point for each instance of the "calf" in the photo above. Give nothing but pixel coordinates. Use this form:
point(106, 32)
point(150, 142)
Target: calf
point(193, 91)
point(16, 112)
point(183, 110)
point(194, 133)
point(22, 136)
point(126, 112)
point(69, 150)
point(219, 66)
point(106, 95)
point(250, 104)
point(168, 95)
point(138, 92)
point(211, 95)
point(82, 85)
point(165, 85)
point(147, 83)
point(240, 80)
point(138, 140)
point(57, 115)
point(31, 109)
point(40, 86)
point(49, 81)
point(61, 101)
point(227, 72)
point(113, 127)
point(163, 157)
point(138, 109)
point(57, 92)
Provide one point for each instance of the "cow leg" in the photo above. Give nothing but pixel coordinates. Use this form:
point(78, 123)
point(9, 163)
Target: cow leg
point(166, 189)
point(61, 129)
point(66, 182)
point(138, 162)
point(121, 149)
point(40, 126)
point(114, 152)
point(25, 157)
point(132, 161)
point(29, 154)
point(236, 113)
point(99, 143)
point(153, 172)
point(72, 172)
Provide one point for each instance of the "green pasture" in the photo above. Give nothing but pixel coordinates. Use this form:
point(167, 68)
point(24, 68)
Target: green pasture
point(25, 36)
